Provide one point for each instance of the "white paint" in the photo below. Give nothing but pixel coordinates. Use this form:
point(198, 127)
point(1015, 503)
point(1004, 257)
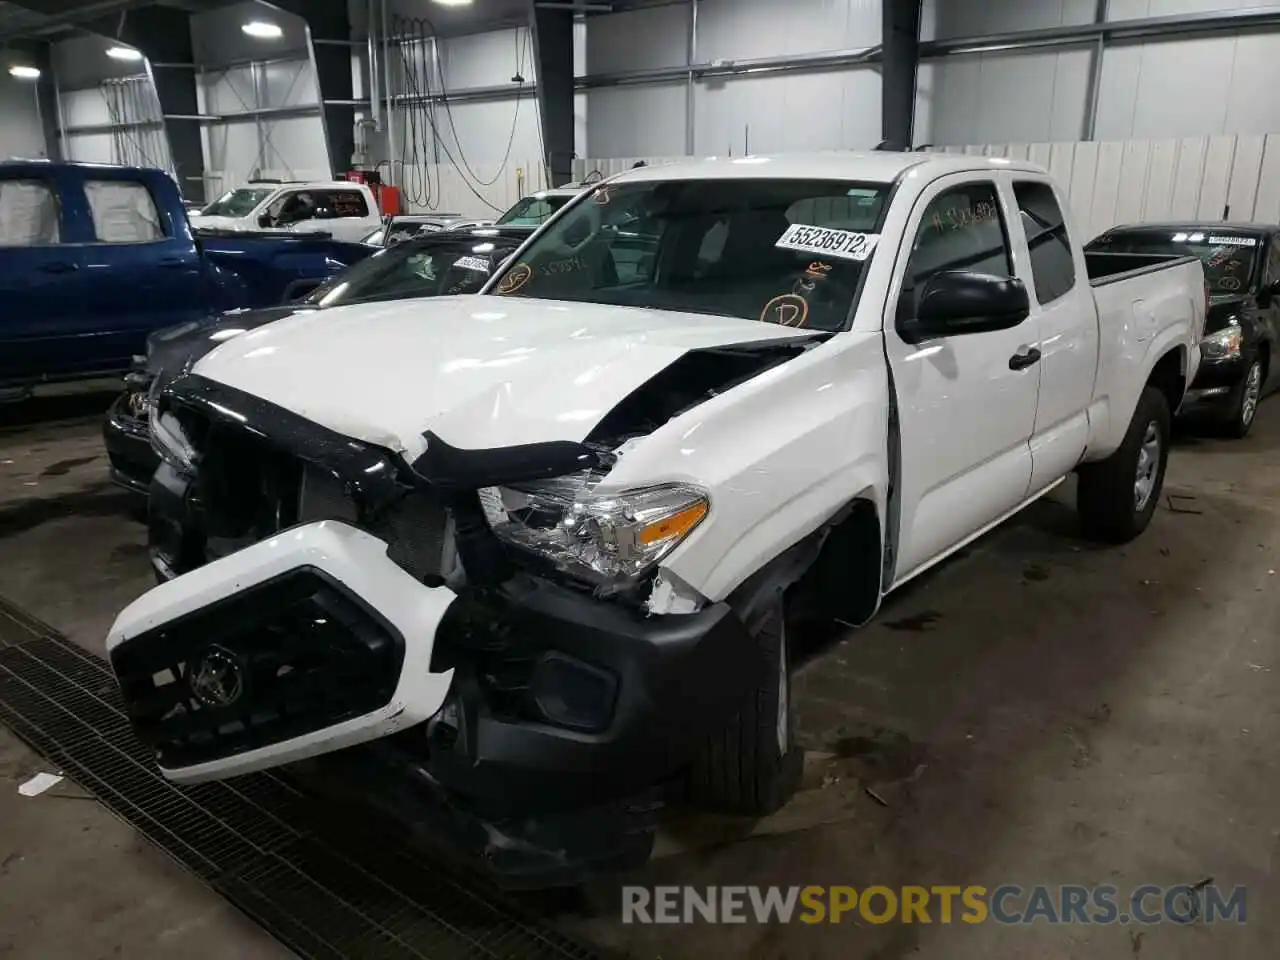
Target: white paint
point(39, 784)
point(354, 559)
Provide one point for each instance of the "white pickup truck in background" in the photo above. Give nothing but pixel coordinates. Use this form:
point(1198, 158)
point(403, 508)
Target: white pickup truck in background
point(538, 549)
point(345, 210)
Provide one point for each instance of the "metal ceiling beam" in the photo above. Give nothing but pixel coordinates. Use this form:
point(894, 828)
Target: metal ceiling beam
point(1116, 30)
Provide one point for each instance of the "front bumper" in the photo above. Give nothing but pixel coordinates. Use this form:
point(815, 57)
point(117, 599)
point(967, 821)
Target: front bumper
point(508, 717)
point(1215, 384)
point(129, 451)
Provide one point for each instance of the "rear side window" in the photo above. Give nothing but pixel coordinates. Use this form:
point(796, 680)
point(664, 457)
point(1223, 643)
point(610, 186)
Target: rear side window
point(123, 212)
point(335, 204)
point(962, 229)
point(28, 214)
point(1052, 266)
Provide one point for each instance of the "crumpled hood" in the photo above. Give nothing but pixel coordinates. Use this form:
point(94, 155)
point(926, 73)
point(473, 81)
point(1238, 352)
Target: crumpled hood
point(479, 371)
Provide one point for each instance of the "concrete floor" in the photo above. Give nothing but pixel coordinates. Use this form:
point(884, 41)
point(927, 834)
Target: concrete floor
point(1036, 711)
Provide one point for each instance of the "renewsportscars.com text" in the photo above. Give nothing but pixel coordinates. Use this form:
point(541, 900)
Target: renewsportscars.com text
point(1005, 904)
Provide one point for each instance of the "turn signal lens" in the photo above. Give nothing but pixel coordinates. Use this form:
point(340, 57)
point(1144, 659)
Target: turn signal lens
point(674, 526)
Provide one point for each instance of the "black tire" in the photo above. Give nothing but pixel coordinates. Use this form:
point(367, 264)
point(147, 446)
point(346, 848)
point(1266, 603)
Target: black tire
point(1112, 508)
point(1245, 399)
point(752, 767)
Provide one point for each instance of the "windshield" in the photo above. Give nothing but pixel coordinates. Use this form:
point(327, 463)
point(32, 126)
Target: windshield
point(236, 203)
point(532, 211)
point(402, 271)
point(1228, 257)
point(782, 251)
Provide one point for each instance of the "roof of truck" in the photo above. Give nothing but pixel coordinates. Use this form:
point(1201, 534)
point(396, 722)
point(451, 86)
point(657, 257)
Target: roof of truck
point(1214, 226)
point(874, 166)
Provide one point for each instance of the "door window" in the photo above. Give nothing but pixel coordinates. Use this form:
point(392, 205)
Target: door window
point(1273, 262)
point(28, 214)
point(123, 212)
point(293, 206)
point(1052, 266)
point(962, 229)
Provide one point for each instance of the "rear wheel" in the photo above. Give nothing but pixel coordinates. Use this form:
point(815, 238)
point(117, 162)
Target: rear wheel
point(752, 766)
point(1117, 496)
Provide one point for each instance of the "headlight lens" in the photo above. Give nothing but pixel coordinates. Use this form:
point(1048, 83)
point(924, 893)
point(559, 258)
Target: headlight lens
point(1224, 344)
point(610, 540)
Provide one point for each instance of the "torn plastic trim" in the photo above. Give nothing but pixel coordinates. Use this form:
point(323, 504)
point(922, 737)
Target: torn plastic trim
point(671, 596)
point(450, 468)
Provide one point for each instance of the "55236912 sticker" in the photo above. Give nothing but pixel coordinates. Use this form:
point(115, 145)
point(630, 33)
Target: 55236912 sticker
point(827, 241)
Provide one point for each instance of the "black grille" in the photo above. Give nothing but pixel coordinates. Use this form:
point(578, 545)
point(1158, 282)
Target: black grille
point(326, 884)
point(275, 661)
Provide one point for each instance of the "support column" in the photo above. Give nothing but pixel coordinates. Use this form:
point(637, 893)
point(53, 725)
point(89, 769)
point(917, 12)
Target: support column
point(553, 53)
point(900, 35)
point(331, 46)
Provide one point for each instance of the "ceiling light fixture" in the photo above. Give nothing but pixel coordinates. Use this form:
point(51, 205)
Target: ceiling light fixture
point(23, 72)
point(453, 3)
point(263, 30)
point(124, 53)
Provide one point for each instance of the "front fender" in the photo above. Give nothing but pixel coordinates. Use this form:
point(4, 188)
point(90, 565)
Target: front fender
point(779, 456)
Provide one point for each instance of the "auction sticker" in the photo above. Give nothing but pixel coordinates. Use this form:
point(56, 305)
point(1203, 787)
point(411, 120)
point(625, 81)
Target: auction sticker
point(832, 243)
point(472, 263)
point(1234, 241)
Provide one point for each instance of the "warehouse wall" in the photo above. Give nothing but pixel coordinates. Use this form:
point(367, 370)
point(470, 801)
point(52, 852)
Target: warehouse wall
point(796, 111)
point(1155, 88)
point(266, 93)
point(21, 134)
point(109, 107)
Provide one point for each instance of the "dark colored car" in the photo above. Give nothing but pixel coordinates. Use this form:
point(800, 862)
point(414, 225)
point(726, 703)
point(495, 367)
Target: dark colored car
point(93, 258)
point(1242, 269)
point(433, 265)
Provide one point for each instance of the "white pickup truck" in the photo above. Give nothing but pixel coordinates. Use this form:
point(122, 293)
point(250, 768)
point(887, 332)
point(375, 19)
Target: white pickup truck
point(345, 210)
point(536, 550)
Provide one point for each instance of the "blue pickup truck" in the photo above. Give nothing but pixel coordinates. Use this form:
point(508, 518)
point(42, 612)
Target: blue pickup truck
point(93, 258)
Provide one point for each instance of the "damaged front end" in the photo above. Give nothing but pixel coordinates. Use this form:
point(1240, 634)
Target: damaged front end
point(477, 625)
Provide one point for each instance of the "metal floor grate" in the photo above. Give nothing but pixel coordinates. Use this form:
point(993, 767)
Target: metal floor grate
point(325, 889)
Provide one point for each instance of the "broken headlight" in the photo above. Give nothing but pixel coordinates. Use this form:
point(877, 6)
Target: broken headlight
point(611, 539)
point(168, 439)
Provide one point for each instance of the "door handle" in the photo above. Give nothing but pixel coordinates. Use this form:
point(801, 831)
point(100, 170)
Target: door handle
point(1024, 358)
point(173, 262)
point(59, 266)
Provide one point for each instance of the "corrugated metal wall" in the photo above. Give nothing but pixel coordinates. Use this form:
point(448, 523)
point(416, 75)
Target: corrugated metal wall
point(1124, 181)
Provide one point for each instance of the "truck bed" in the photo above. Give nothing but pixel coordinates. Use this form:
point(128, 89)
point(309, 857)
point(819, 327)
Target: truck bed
point(1105, 267)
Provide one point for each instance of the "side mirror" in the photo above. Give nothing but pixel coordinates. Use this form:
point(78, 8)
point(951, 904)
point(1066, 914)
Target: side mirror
point(264, 220)
point(956, 302)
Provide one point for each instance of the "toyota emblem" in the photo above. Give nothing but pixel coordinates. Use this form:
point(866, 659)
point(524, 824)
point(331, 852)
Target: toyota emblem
point(216, 678)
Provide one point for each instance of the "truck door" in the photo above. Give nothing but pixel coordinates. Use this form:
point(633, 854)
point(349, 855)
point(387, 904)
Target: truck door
point(39, 263)
point(966, 404)
point(143, 265)
point(1062, 306)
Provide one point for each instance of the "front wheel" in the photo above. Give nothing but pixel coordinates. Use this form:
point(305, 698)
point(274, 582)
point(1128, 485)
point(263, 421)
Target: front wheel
point(752, 766)
point(1244, 406)
point(1117, 496)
